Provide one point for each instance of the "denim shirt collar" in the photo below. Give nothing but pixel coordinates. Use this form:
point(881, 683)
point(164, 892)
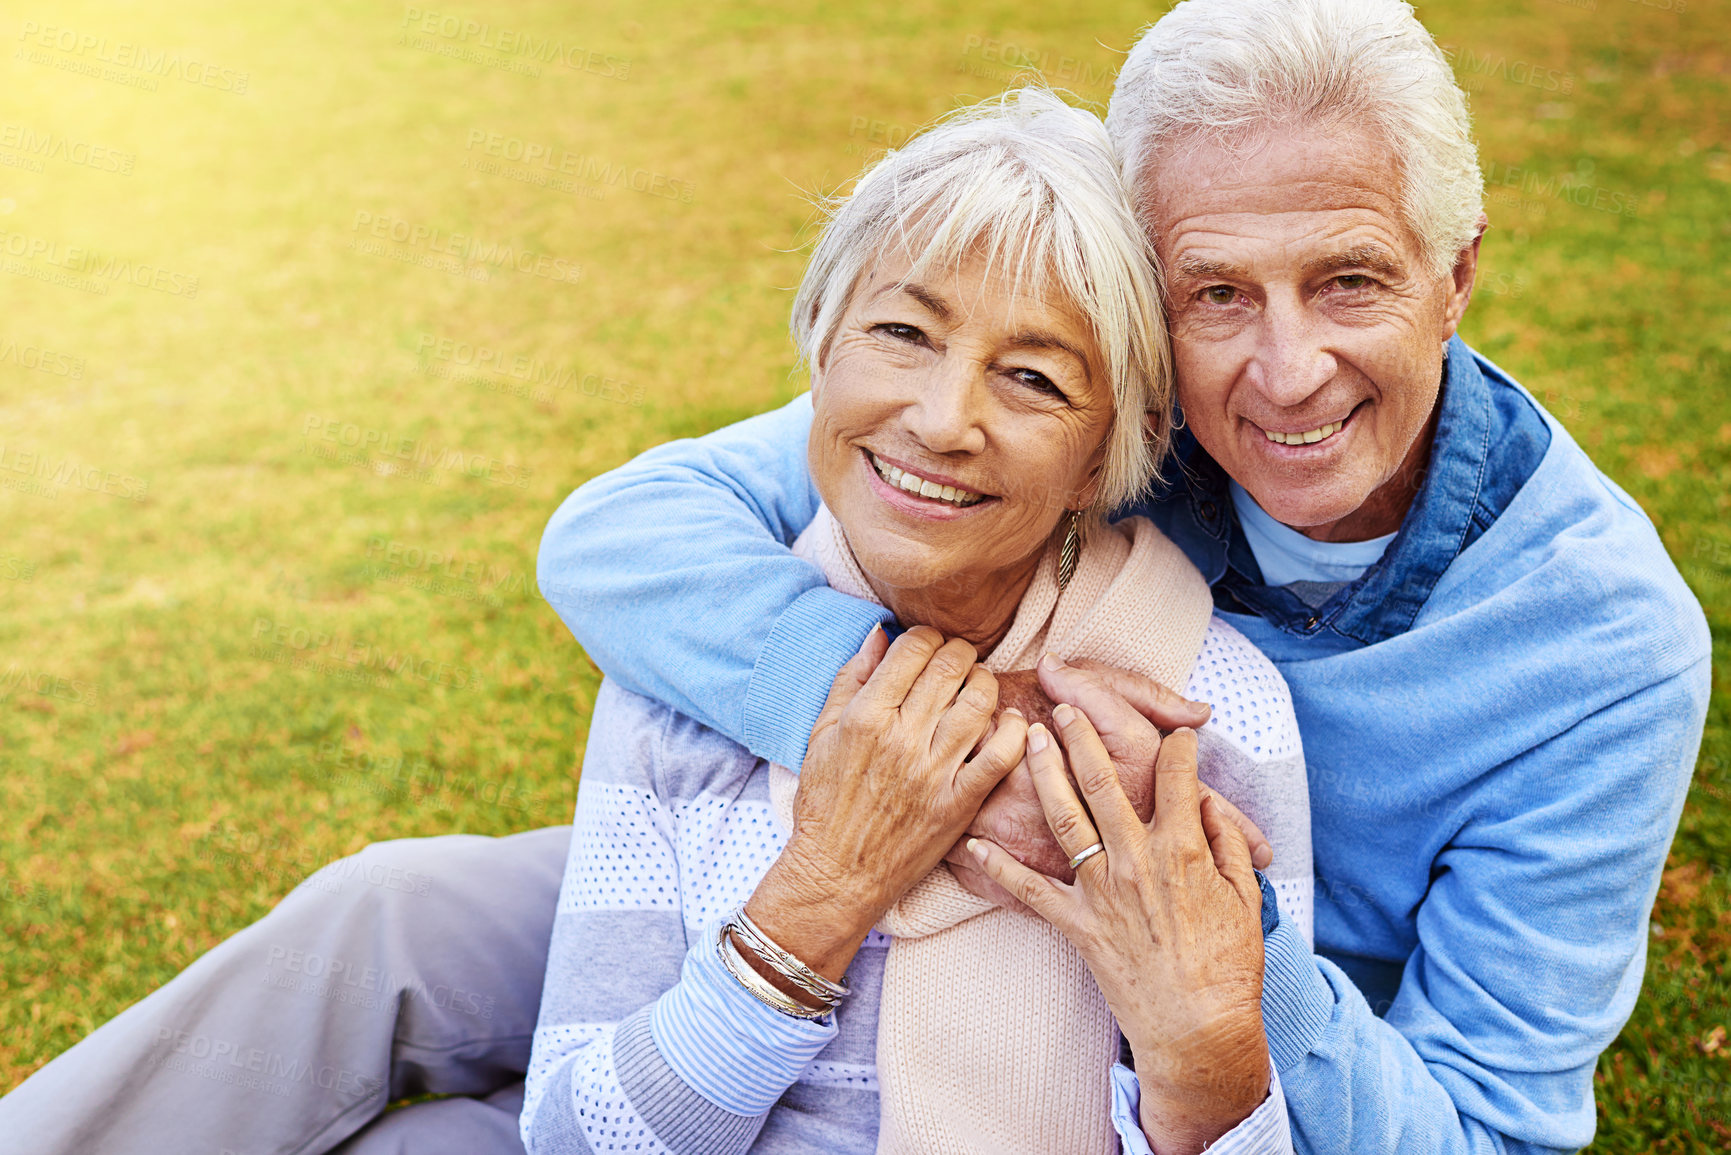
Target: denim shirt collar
point(1383, 602)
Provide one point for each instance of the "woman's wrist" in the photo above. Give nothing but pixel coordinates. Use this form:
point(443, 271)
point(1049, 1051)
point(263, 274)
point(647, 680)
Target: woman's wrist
point(1190, 1100)
point(818, 923)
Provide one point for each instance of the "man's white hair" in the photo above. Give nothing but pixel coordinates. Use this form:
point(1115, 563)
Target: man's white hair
point(1034, 188)
point(1224, 71)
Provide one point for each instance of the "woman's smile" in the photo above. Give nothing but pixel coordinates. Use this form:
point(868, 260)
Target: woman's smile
point(922, 493)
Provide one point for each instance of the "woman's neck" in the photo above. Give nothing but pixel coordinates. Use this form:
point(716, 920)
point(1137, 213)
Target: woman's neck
point(980, 609)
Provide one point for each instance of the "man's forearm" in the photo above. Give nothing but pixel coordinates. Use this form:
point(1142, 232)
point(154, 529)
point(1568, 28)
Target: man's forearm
point(674, 573)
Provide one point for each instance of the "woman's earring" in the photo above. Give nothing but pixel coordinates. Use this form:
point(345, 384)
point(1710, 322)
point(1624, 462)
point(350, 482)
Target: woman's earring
point(1071, 551)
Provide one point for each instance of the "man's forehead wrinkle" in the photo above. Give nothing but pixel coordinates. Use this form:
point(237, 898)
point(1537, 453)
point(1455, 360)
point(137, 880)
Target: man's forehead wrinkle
point(1214, 244)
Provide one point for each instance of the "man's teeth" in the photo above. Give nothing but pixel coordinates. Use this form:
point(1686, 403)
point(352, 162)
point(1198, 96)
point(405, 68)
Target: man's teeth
point(1307, 438)
point(922, 487)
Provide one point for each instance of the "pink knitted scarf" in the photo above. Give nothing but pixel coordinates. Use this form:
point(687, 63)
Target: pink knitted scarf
point(992, 1036)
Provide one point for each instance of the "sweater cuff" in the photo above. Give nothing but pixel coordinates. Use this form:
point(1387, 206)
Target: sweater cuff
point(683, 1120)
point(728, 1047)
point(812, 640)
point(1297, 1002)
point(1264, 1131)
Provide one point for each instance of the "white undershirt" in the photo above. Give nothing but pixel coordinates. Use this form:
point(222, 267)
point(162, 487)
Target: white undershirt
point(1287, 556)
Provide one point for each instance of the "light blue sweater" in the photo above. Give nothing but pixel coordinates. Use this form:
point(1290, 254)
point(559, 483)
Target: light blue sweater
point(1501, 719)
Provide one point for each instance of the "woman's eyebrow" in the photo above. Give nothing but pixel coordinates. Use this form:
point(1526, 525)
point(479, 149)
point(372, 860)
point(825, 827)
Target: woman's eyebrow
point(1041, 339)
point(932, 303)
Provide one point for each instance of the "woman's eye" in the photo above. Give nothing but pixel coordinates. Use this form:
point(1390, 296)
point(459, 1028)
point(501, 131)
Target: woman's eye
point(1220, 294)
point(901, 332)
point(1034, 379)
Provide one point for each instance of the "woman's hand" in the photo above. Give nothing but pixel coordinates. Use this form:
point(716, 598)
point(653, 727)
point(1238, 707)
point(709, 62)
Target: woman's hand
point(897, 766)
point(1167, 918)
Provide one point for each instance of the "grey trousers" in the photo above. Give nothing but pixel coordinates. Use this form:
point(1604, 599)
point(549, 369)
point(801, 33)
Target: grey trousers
point(414, 966)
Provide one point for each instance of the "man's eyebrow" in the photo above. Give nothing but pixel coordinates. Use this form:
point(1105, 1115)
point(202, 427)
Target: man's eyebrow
point(1369, 255)
point(1201, 268)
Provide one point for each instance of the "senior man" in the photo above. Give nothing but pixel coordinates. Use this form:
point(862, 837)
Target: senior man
point(1500, 678)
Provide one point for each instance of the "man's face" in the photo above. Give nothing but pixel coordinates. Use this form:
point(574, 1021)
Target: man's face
point(1307, 333)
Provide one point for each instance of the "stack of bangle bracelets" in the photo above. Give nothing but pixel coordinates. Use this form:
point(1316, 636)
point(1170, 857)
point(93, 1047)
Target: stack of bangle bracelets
point(821, 990)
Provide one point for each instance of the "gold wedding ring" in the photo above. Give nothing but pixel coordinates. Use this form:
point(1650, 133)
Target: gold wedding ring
point(1085, 855)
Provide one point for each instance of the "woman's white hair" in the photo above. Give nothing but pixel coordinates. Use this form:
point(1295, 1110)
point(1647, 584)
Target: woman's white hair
point(1226, 70)
point(1031, 185)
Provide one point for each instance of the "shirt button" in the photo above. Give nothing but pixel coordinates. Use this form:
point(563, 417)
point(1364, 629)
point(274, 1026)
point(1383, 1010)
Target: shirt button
point(1209, 513)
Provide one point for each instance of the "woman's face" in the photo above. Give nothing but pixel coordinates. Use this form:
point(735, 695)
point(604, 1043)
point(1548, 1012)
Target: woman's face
point(955, 422)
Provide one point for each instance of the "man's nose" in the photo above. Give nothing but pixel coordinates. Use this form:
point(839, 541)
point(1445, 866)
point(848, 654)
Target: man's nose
point(946, 414)
point(1292, 360)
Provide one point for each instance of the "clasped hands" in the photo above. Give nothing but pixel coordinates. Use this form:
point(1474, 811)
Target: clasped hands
point(911, 762)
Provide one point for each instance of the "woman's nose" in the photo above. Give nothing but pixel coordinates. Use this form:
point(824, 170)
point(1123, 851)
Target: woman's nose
point(947, 414)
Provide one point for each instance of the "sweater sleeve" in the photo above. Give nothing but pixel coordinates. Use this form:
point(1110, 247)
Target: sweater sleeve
point(674, 573)
point(645, 1042)
point(1250, 751)
point(1527, 963)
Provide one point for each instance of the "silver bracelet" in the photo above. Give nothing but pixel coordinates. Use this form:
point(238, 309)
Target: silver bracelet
point(759, 987)
point(785, 964)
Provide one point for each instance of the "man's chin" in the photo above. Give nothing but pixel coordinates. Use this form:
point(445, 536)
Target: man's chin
point(1303, 511)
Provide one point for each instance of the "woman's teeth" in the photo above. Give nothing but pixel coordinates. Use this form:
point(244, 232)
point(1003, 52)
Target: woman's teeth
point(922, 487)
point(1307, 438)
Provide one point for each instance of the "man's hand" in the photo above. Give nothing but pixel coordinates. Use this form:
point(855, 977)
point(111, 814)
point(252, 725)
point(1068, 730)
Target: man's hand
point(1177, 899)
point(1012, 817)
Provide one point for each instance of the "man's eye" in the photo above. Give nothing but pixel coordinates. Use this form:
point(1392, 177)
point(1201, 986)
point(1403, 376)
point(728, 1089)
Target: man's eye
point(1220, 294)
point(1353, 281)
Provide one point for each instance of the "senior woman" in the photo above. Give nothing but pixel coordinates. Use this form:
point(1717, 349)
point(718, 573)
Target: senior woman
point(989, 371)
point(743, 960)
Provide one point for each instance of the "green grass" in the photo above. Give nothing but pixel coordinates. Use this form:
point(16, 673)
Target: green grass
point(164, 779)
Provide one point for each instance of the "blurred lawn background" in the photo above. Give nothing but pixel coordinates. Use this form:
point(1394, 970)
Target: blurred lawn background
point(251, 254)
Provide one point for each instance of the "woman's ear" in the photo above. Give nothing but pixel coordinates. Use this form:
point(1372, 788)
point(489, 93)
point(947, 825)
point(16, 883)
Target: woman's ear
point(1090, 488)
